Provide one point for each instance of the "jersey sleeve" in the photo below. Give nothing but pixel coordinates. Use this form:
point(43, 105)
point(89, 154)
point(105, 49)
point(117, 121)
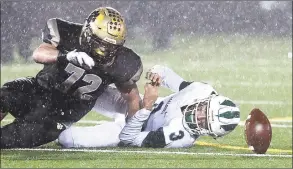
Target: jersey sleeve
point(131, 133)
point(50, 33)
point(171, 136)
point(64, 35)
point(170, 79)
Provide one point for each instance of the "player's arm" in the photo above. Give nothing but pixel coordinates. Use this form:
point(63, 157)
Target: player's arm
point(45, 53)
point(130, 91)
point(131, 94)
point(132, 130)
point(169, 78)
point(131, 134)
point(171, 136)
point(48, 52)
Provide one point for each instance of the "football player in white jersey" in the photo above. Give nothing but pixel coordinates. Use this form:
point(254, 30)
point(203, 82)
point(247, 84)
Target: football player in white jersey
point(194, 110)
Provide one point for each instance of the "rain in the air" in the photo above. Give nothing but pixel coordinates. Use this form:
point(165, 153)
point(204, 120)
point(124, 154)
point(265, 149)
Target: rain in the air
point(152, 84)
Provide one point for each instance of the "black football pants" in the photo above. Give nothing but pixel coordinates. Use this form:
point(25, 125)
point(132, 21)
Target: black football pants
point(33, 125)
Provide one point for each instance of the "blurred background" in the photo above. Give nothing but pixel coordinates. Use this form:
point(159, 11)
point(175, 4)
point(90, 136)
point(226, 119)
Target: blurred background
point(241, 48)
point(153, 23)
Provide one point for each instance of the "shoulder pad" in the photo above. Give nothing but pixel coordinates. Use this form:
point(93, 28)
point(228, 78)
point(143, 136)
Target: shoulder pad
point(50, 33)
point(132, 65)
point(57, 30)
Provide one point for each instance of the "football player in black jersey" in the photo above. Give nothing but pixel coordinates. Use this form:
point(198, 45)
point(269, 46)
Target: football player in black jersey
point(80, 61)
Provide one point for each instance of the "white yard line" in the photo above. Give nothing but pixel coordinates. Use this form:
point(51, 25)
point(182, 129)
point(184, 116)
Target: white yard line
point(254, 84)
point(273, 125)
point(281, 120)
point(81, 121)
point(103, 121)
point(264, 102)
point(152, 152)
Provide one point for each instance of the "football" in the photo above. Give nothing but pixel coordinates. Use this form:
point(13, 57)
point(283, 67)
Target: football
point(258, 131)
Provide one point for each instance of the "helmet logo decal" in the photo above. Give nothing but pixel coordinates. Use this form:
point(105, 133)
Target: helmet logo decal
point(107, 24)
point(114, 28)
point(228, 103)
point(100, 17)
point(230, 114)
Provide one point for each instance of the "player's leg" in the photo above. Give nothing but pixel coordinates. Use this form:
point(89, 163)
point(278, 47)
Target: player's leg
point(16, 97)
point(34, 129)
point(24, 134)
point(103, 135)
point(111, 104)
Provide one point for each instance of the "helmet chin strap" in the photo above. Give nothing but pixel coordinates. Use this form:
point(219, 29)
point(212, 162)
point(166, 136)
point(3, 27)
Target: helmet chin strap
point(106, 63)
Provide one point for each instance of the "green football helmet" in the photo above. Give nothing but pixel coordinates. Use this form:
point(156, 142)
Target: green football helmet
point(215, 116)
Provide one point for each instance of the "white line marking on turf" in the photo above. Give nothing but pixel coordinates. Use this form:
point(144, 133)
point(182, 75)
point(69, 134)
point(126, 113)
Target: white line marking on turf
point(273, 125)
point(280, 120)
point(257, 102)
point(81, 121)
point(249, 84)
point(242, 123)
point(152, 152)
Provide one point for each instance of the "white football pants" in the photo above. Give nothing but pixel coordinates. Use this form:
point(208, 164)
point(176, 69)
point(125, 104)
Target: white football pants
point(110, 104)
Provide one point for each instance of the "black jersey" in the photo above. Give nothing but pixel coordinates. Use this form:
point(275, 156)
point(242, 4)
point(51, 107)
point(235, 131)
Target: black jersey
point(85, 84)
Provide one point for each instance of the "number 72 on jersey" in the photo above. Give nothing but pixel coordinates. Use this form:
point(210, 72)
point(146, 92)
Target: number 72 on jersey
point(77, 73)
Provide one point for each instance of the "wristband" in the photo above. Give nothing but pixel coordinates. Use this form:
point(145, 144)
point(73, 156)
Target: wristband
point(61, 57)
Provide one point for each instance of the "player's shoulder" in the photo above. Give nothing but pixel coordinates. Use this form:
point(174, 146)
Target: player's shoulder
point(58, 26)
point(128, 63)
point(59, 32)
point(61, 22)
point(127, 55)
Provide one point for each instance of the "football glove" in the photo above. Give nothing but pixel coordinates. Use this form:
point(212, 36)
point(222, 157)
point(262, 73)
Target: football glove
point(80, 58)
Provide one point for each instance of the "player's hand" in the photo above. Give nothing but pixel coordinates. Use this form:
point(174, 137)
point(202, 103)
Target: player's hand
point(80, 58)
point(155, 78)
point(150, 95)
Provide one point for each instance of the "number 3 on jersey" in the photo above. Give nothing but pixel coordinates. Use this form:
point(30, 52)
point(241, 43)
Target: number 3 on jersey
point(76, 73)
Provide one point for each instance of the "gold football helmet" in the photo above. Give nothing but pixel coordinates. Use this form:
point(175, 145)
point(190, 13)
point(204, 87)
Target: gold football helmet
point(103, 33)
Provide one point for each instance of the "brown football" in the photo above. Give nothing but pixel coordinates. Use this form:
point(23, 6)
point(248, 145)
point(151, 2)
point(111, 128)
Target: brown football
point(258, 131)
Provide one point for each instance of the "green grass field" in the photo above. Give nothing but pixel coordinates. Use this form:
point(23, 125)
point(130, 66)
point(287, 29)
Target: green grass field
point(253, 71)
